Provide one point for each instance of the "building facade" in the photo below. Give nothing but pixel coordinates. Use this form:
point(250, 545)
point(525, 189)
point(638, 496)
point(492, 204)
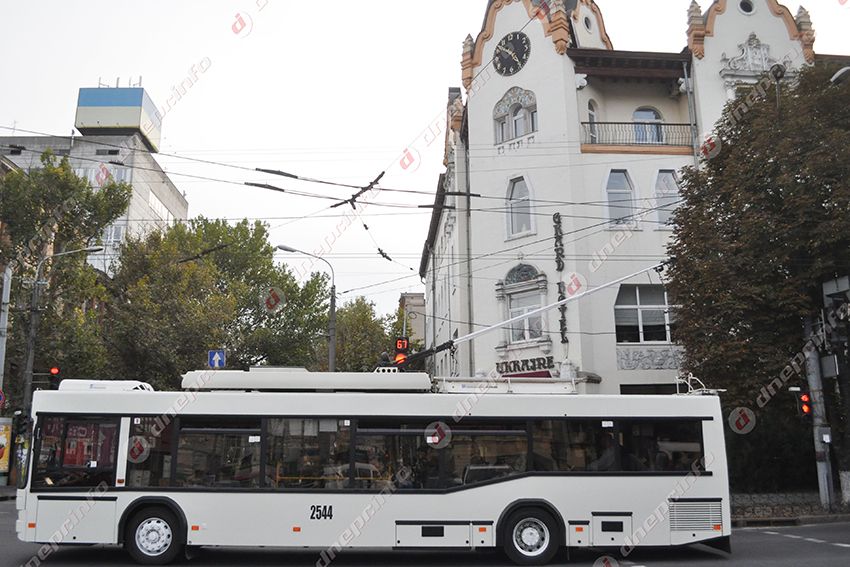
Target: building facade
point(562, 172)
point(118, 143)
point(412, 306)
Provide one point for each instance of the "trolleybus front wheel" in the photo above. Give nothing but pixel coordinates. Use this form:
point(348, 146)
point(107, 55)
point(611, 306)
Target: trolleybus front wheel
point(153, 537)
point(531, 537)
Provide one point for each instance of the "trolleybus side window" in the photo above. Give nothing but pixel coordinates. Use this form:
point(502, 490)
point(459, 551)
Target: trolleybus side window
point(586, 445)
point(386, 449)
point(663, 445)
point(149, 453)
point(447, 457)
point(309, 453)
point(75, 452)
point(636, 445)
point(218, 453)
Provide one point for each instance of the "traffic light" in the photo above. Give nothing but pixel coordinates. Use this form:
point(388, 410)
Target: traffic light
point(55, 378)
point(804, 404)
point(402, 349)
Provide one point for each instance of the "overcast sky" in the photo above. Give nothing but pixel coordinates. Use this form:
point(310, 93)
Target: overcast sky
point(331, 89)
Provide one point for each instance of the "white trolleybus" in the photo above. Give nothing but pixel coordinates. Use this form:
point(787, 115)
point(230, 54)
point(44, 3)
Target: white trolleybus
point(294, 459)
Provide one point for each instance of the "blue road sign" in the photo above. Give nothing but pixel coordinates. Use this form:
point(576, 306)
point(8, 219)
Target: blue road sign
point(216, 359)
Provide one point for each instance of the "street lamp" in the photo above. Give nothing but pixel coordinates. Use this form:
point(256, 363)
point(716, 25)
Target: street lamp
point(840, 76)
point(332, 318)
point(34, 316)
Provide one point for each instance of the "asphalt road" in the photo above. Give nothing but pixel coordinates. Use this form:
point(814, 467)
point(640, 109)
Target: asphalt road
point(824, 544)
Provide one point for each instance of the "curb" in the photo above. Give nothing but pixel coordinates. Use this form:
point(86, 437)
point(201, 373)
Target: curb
point(794, 521)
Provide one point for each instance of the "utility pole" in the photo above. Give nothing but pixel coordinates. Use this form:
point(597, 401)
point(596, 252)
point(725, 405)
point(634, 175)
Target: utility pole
point(31, 336)
point(332, 331)
point(819, 423)
point(4, 319)
point(34, 318)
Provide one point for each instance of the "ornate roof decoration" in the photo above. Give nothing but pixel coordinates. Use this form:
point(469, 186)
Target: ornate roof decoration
point(520, 274)
point(514, 96)
point(599, 20)
point(751, 63)
point(700, 27)
point(553, 15)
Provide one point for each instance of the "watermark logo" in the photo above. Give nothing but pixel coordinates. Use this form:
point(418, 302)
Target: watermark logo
point(606, 561)
point(410, 161)
point(438, 435)
point(139, 451)
point(243, 25)
point(272, 301)
point(543, 10)
point(711, 147)
point(742, 420)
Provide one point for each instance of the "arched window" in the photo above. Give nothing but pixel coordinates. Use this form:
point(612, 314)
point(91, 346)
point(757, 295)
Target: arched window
point(647, 126)
point(519, 208)
point(620, 199)
point(591, 121)
point(515, 115)
point(523, 294)
point(666, 194)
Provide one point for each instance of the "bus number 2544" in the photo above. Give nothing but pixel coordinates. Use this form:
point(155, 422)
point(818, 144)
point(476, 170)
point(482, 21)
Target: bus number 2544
point(321, 512)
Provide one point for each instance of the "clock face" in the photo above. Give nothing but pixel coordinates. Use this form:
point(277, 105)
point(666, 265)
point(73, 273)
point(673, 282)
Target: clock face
point(512, 54)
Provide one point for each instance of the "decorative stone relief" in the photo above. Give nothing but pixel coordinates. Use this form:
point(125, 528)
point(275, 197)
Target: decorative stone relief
point(648, 358)
point(514, 96)
point(521, 273)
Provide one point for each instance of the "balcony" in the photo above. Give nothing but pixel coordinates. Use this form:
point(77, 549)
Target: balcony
point(636, 138)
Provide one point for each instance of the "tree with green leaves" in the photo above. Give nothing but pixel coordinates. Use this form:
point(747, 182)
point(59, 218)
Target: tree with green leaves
point(46, 211)
point(361, 336)
point(200, 286)
point(762, 226)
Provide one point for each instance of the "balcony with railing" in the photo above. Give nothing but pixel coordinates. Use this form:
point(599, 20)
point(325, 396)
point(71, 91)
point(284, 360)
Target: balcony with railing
point(636, 137)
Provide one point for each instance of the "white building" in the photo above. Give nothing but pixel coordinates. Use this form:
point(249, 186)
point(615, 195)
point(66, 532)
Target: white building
point(120, 130)
point(562, 168)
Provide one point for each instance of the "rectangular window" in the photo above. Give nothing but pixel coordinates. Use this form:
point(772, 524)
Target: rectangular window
point(218, 453)
point(628, 445)
point(76, 452)
point(530, 328)
point(662, 446)
point(437, 456)
point(585, 445)
point(477, 458)
point(501, 130)
point(534, 120)
point(666, 194)
point(149, 453)
point(619, 190)
point(106, 152)
point(386, 447)
point(641, 315)
point(309, 453)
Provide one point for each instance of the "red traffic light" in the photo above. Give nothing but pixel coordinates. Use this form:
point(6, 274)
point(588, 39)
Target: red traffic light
point(805, 398)
point(54, 371)
point(400, 357)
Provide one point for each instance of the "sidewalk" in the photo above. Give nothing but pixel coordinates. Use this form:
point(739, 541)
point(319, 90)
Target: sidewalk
point(789, 509)
point(7, 493)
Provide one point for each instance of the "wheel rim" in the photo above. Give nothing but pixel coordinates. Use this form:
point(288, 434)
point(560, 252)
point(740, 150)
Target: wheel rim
point(531, 537)
point(153, 537)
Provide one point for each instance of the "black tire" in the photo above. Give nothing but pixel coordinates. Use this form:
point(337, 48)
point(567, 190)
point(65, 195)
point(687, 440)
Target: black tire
point(531, 537)
point(164, 537)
